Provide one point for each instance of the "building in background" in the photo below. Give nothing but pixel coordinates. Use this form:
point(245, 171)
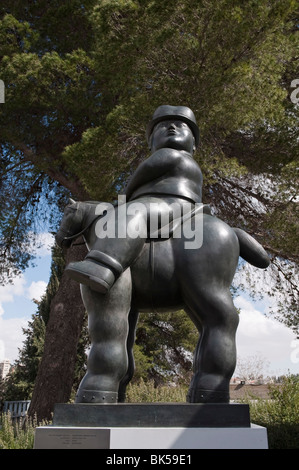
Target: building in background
point(4, 368)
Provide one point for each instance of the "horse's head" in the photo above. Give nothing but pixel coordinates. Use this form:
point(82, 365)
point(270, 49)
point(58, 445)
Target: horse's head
point(70, 225)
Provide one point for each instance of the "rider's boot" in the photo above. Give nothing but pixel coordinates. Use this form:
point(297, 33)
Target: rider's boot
point(98, 271)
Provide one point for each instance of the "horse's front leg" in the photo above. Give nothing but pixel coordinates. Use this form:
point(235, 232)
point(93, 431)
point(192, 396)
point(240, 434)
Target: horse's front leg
point(108, 329)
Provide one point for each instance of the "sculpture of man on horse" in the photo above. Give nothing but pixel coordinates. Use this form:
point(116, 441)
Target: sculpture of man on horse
point(125, 274)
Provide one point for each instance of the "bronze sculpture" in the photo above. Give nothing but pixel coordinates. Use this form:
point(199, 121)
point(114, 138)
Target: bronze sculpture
point(157, 267)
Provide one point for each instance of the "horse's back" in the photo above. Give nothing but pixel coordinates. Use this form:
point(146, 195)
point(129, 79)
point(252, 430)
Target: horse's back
point(165, 265)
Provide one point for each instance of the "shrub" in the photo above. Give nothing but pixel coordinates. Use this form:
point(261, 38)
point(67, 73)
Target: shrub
point(146, 392)
point(16, 434)
point(280, 414)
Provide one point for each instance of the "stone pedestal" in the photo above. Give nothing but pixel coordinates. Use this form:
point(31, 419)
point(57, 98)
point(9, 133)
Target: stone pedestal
point(187, 415)
point(151, 426)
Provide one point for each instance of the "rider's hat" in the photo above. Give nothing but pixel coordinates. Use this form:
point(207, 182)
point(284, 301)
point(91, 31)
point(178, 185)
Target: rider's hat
point(166, 112)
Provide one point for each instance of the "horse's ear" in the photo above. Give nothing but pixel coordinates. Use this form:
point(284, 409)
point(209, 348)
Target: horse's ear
point(71, 201)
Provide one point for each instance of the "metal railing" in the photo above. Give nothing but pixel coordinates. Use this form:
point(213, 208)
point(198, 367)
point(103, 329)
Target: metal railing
point(17, 409)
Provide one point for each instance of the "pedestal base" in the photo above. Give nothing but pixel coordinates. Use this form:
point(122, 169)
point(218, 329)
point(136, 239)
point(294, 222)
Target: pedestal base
point(148, 415)
point(61, 437)
point(151, 426)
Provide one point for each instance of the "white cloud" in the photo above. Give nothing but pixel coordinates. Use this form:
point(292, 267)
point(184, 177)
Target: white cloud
point(15, 306)
point(18, 288)
point(11, 337)
point(36, 290)
point(43, 243)
point(2, 349)
point(11, 333)
point(265, 337)
point(10, 290)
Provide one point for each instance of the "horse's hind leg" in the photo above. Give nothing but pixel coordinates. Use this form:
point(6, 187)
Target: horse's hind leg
point(215, 356)
point(108, 328)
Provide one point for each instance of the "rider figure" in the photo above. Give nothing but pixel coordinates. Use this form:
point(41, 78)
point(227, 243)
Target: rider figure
point(169, 178)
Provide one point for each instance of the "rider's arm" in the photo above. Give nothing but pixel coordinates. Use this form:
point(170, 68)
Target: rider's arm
point(158, 164)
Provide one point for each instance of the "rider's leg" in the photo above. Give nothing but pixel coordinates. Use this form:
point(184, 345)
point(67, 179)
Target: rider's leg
point(111, 255)
point(108, 328)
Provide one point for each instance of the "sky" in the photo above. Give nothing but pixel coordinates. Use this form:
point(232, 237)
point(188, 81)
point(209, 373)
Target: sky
point(257, 334)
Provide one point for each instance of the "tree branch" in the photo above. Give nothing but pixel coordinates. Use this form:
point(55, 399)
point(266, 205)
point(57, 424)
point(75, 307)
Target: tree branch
point(69, 182)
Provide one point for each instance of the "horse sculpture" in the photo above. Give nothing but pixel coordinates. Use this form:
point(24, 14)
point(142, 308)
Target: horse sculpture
point(164, 277)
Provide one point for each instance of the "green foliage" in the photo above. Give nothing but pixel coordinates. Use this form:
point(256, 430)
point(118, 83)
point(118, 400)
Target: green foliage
point(27, 201)
point(38, 80)
point(80, 366)
point(55, 24)
point(16, 434)
point(147, 392)
point(280, 414)
point(228, 71)
point(143, 363)
point(164, 347)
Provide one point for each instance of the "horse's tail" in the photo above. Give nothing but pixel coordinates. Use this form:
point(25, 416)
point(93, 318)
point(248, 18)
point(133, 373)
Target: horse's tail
point(251, 251)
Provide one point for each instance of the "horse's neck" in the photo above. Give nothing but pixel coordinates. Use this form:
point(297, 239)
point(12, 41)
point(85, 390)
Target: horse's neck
point(88, 216)
point(88, 212)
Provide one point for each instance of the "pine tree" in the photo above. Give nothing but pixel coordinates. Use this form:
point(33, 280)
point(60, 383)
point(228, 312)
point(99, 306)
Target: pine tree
point(164, 347)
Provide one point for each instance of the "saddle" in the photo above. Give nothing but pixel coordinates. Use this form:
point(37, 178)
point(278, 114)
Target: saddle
point(166, 231)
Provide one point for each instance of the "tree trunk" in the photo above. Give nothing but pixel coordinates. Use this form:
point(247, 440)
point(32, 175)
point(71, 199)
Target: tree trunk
point(56, 370)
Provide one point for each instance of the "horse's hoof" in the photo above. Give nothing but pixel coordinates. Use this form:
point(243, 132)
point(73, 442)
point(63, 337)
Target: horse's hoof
point(89, 273)
point(96, 396)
